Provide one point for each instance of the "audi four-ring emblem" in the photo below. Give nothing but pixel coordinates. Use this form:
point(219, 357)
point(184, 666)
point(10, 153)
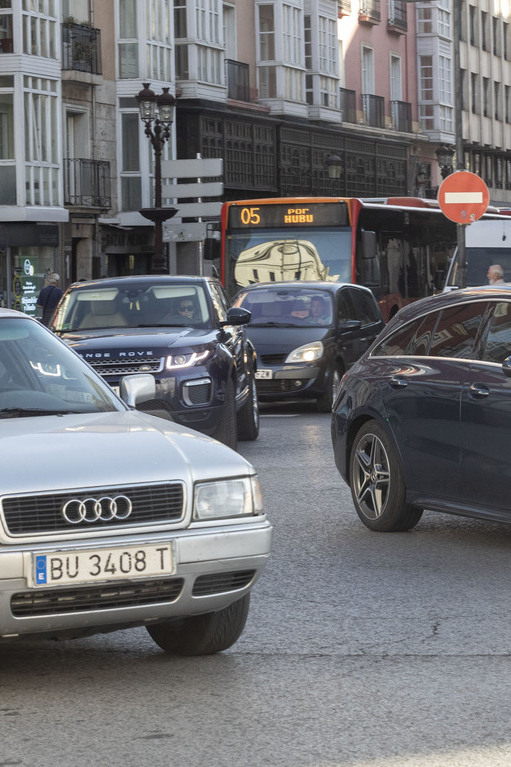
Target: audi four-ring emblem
point(96, 509)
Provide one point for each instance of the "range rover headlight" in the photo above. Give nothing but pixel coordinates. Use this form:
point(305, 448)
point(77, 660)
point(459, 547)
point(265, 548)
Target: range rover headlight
point(307, 353)
point(228, 498)
point(185, 360)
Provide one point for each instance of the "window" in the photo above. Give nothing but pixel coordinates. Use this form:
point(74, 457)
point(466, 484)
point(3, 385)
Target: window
point(497, 44)
point(266, 33)
point(507, 103)
point(40, 31)
point(180, 25)
point(444, 18)
point(42, 153)
point(474, 38)
point(496, 100)
point(128, 51)
point(485, 32)
point(424, 21)
point(292, 38)
point(6, 127)
point(505, 40)
point(395, 78)
point(486, 97)
point(365, 309)
point(474, 90)
point(426, 78)
point(498, 341)
point(367, 70)
point(456, 332)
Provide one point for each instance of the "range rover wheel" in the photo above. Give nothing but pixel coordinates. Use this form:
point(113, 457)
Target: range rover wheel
point(248, 415)
point(202, 634)
point(325, 401)
point(226, 429)
point(376, 482)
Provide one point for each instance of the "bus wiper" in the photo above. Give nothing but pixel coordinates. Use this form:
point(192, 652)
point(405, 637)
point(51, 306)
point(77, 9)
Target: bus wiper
point(20, 412)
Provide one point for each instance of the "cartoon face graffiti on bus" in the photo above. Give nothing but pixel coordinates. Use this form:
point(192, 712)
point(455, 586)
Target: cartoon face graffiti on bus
point(280, 260)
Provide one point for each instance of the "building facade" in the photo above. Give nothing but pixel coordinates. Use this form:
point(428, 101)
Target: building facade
point(282, 90)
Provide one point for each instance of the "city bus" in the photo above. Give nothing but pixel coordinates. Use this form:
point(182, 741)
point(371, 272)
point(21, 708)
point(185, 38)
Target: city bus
point(400, 247)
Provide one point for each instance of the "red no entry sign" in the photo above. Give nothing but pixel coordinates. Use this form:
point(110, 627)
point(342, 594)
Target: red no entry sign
point(463, 197)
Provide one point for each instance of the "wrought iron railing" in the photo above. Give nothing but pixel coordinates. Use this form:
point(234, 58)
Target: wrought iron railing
point(81, 48)
point(87, 183)
point(401, 116)
point(397, 15)
point(369, 10)
point(348, 105)
point(344, 7)
point(373, 108)
point(237, 80)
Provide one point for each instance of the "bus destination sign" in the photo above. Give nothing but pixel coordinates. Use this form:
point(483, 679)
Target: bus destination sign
point(277, 215)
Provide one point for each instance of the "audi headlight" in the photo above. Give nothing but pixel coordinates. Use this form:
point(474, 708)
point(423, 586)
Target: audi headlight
point(306, 353)
point(185, 360)
point(228, 498)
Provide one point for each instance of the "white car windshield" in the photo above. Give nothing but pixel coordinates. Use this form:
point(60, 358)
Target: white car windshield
point(286, 306)
point(39, 375)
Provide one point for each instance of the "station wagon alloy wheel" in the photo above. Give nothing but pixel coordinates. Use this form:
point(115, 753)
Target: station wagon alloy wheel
point(376, 482)
point(371, 476)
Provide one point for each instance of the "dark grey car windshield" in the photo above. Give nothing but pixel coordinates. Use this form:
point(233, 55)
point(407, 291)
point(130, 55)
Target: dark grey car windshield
point(39, 375)
point(288, 306)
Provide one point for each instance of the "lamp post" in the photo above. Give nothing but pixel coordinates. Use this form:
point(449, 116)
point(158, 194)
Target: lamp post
point(444, 156)
point(157, 114)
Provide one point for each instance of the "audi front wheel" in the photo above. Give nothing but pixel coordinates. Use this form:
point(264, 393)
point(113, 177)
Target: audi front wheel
point(202, 634)
point(376, 481)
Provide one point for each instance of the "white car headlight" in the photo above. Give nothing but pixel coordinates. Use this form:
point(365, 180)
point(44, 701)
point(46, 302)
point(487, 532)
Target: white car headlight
point(185, 360)
point(306, 353)
point(228, 498)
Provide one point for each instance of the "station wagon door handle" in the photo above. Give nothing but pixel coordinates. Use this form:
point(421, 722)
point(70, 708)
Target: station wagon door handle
point(478, 390)
point(397, 382)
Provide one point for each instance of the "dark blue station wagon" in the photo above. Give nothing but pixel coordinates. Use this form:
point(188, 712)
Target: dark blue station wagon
point(423, 419)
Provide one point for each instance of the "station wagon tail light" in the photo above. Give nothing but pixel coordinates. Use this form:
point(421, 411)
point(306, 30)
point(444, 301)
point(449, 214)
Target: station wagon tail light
point(306, 353)
point(185, 360)
point(228, 498)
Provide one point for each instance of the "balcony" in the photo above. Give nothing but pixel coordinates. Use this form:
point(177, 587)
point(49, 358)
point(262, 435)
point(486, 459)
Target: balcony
point(87, 183)
point(348, 105)
point(81, 48)
point(373, 108)
point(401, 112)
point(343, 8)
point(397, 22)
point(369, 12)
point(237, 80)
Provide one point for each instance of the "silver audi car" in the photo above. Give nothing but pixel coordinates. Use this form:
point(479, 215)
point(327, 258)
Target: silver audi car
point(112, 518)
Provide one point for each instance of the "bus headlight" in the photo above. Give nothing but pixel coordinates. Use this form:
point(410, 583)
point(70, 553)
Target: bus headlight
point(306, 353)
point(228, 498)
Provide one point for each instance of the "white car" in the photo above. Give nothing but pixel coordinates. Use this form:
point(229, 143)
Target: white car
point(111, 517)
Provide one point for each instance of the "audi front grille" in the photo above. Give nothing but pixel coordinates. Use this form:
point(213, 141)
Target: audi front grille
point(125, 367)
point(39, 514)
point(105, 597)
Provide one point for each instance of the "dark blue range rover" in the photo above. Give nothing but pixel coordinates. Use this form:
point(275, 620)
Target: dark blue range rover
point(181, 330)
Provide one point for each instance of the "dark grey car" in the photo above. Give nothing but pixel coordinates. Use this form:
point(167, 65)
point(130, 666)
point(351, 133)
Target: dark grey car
point(306, 335)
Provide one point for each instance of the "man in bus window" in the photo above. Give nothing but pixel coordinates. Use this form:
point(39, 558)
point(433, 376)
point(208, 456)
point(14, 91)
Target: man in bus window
point(495, 275)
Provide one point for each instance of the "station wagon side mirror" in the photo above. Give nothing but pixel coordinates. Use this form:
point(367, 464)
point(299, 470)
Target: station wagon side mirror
point(506, 367)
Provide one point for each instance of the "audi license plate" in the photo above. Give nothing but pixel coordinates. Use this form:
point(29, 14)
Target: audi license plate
point(264, 374)
point(90, 565)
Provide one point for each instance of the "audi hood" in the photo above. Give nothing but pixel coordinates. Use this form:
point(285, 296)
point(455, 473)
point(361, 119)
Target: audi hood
point(90, 450)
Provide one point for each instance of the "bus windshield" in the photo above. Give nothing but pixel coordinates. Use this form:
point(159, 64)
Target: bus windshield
point(273, 255)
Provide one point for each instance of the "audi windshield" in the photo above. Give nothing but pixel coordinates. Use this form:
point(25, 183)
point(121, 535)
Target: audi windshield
point(40, 375)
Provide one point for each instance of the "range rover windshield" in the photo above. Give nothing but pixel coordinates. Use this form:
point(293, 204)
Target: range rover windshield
point(39, 375)
point(133, 305)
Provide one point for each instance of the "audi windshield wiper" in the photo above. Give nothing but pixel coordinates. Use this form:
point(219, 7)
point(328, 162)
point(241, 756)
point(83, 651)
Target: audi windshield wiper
point(20, 412)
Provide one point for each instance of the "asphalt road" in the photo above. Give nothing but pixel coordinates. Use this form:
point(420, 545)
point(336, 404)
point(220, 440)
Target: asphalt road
point(361, 649)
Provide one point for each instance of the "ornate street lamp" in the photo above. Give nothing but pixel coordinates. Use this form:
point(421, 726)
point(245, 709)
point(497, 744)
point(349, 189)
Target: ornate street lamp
point(445, 155)
point(157, 114)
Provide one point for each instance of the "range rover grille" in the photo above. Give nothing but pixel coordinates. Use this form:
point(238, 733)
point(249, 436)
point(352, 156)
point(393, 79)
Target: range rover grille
point(104, 597)
point(32, 514)
point(125, 367)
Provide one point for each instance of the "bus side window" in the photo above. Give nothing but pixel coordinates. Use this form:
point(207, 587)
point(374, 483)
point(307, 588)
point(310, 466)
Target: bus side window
point(368, 266)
